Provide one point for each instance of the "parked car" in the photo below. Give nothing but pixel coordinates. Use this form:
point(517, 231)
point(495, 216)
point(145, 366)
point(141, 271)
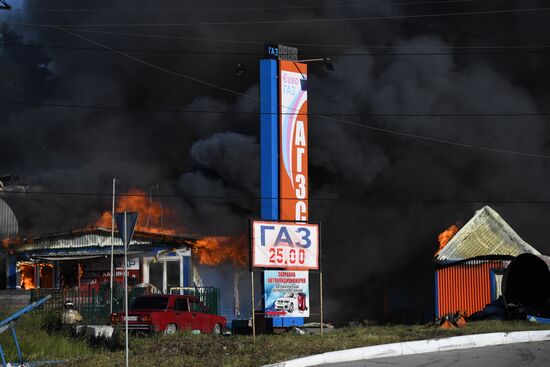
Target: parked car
point(169, 313)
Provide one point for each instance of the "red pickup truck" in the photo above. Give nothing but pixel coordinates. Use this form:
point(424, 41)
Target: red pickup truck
point(169, 313)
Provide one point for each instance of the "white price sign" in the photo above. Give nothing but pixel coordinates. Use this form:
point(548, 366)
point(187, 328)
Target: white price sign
point(285, 245)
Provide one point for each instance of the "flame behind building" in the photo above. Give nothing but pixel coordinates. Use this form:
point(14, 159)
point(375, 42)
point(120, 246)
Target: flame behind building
point(153, 216)
point(216, 250)
point(445, 236)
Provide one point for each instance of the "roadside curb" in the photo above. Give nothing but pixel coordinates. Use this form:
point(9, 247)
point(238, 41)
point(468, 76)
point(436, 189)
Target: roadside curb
point(417, 347)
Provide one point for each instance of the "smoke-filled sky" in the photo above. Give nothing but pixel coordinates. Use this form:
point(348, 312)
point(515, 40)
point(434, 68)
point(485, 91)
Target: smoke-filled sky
point(382, 197)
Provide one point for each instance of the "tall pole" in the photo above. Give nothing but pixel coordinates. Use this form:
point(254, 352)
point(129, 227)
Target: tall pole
point(321, 297)
point(253, 313)
point(112, 242)
point(126, 282)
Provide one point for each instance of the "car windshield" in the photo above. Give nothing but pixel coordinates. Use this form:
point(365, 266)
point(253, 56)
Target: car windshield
point(154, 303)
point(289, 295)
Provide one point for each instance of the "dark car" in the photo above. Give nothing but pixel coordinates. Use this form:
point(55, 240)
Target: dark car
point(169, 313)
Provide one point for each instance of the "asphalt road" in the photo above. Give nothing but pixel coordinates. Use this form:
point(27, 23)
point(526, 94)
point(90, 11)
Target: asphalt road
point(511, 355)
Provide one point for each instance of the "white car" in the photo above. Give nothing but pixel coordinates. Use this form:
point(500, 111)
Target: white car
point(288, 302)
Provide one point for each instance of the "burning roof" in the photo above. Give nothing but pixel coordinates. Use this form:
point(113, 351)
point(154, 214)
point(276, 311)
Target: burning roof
point(95, 237)
point(485, 235)
point(157, 227)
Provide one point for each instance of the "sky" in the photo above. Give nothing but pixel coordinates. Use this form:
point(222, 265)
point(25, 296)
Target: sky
point(437, 109)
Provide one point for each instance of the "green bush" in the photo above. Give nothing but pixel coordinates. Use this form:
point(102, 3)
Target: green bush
point(51, 322)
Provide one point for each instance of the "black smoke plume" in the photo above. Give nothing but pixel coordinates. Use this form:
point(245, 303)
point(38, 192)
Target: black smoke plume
point(382, 198)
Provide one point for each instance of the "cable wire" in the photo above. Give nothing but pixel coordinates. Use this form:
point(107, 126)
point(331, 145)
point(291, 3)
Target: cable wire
point(233, 53)
point(248, 198)
point(333, 119)
point(250, 113)
point(171, 10)
point(302, 21)
point(301, 44)
point(159, 68)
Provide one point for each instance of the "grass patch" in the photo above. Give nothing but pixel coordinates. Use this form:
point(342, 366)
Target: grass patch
point(210, 350)
point(39, 344)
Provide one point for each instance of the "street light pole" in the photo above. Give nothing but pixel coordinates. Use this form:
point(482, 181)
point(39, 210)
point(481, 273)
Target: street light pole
point(112, 242)
point(126, 244)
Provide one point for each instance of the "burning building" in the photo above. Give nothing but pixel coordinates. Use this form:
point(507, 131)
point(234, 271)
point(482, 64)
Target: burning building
point(81, 258)
point(471, 260)
point(166, 258)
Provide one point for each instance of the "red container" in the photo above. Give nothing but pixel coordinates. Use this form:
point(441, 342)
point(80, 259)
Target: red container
point(464, 287)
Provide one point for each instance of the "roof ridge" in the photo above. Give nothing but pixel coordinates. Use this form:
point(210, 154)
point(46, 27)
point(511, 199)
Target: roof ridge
point(496, 229)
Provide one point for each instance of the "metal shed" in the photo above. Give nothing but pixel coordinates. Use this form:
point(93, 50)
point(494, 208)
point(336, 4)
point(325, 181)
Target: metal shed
point(469, 269)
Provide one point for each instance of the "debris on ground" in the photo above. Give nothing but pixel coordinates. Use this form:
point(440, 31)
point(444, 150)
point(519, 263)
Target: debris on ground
point(451, 321)
point(538, 320)
point(314, 328)
point(310, 328)
point(98, 331)
point(296, 330)
point(495, 310)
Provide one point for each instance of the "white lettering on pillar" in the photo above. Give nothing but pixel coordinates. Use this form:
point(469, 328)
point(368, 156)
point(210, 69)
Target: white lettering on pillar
point(301, 211)
point(299, 158)
point(300, 138)
point(301, 189)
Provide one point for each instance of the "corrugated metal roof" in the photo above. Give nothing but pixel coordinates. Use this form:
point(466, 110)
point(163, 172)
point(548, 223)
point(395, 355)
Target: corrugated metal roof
point(486, 234)
point(95, 237)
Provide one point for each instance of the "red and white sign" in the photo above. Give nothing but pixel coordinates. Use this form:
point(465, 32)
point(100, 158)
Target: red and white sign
point(285, 245)
point(293, 142)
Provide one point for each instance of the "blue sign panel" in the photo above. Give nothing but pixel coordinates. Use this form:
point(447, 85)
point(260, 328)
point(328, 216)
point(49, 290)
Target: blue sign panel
point(126, 222)
point(269, 144)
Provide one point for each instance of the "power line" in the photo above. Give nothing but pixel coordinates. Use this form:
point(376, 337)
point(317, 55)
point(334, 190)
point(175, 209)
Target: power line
point(171, 10)
point(159, 68)
point(391, 131)
point(332, 119)
point(248, 198)
point(434, 140)
point(249, 113)
point(301, 44)
point(301, 21)
point(545, 50)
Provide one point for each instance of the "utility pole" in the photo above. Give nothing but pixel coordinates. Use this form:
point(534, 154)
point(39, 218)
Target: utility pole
point(4, 5)
point(112, 242)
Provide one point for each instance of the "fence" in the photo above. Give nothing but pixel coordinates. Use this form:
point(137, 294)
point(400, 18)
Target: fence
point(93, 304)
point(210, 296)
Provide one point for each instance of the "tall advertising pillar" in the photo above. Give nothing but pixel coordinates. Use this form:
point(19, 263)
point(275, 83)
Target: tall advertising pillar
point(283, 144)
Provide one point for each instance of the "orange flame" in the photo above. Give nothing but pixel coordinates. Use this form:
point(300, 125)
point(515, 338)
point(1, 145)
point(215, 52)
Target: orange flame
point(216, 250)
point(445, 236)
point(7, 241)
point(152, 214)
point(27, 276)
